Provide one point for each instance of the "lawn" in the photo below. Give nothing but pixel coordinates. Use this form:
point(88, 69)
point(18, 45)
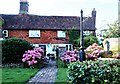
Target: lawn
point(17, 75)
point(61, 75)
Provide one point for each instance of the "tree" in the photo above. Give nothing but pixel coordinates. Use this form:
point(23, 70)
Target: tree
point(89, 40)
point(113, 31)
point(74, 36)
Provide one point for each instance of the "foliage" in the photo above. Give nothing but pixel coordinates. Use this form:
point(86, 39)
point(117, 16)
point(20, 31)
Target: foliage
point(13, 49)
point(113, 31)
point(34, 58)
point(1, 22)
point(93, 52)
point(88, 72)
point(61, 64)
point(74, 36)
point(17, 75)
point(89, 40)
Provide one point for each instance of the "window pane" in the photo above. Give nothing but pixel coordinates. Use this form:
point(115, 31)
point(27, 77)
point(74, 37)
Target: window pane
point(34, 33)
point(61, 34)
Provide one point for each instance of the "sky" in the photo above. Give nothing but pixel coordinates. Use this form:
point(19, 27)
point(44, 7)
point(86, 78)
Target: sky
point(107, 10)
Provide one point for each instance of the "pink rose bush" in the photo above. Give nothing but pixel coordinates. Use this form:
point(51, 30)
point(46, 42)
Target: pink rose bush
point(118, 55)
point(32, 57)
point(69, 56)
point(93, 51)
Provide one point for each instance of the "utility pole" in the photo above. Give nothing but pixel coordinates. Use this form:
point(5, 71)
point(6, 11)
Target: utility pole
point(82, 53)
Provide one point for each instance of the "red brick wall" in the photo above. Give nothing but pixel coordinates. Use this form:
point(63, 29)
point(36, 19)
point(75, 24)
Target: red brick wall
point(46, 36)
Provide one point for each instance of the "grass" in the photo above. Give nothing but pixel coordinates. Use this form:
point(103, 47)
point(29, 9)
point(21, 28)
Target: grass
point(62, 75)
point(17, 75)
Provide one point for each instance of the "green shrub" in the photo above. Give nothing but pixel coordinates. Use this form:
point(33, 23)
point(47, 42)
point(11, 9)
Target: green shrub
point(61, 64)
point(89, 40)
point(95, 72)
point(13, 49)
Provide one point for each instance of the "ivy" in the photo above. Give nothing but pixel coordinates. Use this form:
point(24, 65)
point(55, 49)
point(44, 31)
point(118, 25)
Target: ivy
point(74, 35)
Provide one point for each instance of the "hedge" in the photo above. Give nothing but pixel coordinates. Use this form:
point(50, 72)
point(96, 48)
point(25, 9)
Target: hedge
point(13, 49)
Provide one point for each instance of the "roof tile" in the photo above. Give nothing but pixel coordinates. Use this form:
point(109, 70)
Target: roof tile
point(46, 22)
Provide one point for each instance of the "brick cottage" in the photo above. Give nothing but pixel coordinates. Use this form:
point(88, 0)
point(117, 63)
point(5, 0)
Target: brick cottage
point(45, 31)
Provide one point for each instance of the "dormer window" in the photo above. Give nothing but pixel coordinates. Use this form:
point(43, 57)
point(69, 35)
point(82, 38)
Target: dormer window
point(34, 33)
point(61, 34)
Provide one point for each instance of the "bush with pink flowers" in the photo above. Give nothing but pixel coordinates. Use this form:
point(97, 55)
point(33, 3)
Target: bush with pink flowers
point(69, 56)
point(66, 58)
point(118, 55)
point(34, 58)
point(93, 52)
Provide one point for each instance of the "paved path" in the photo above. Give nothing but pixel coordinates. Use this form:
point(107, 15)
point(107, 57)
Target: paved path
point(46, 75)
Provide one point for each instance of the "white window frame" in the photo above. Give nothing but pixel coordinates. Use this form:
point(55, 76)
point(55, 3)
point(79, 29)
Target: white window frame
point(61, 34)
point(86, 33)
point(34, 33)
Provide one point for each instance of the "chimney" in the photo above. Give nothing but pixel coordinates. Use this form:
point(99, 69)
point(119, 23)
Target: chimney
point(94, 13)
point(94, 16)
point(23, 7)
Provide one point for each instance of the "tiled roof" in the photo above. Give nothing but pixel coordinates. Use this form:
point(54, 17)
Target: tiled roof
point(46, 22)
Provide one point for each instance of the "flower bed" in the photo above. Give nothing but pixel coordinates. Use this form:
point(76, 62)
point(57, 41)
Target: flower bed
point(93, 52)
point(94, 72)
point(34, 58)
point(69, 56)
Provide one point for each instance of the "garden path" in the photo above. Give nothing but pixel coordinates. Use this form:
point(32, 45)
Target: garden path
point(46, 75)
